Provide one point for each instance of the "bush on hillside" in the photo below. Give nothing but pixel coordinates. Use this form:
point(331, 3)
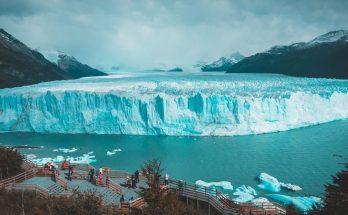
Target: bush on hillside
point(10, 162)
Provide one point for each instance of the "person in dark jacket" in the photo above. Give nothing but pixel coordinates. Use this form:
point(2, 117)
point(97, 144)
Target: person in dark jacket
point(122, 198)
point(136, 174)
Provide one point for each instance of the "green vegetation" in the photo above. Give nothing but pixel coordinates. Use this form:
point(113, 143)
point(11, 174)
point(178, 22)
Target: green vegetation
point(18, 202)
point(10, 162)
point(158, 200)
point(336, 195)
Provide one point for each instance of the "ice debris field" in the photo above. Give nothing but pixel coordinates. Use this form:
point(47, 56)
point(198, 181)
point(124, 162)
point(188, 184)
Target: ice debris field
point(173, 104)
point(269, 183)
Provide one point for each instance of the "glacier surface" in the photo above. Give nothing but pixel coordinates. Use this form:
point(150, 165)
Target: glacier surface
point(173, 104)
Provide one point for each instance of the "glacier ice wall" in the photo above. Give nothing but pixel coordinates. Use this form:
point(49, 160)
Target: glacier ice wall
point(156, 105)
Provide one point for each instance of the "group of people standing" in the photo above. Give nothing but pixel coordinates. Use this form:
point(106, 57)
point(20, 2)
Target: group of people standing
point(94, 176)
point(70, 169)
point(131, 182)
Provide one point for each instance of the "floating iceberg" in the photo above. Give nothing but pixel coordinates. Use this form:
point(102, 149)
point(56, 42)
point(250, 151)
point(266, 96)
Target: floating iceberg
point(302, 203)
point(246, 189)
point(243, 197)
point(291, 187)
point(173, 104)
point(244, 193)
point(65, 150)
point(30, 156)
point(109, 153)
point(226, 185)
point(268, 182)
point(57, 159)
point(260, 200)
point(85, 158)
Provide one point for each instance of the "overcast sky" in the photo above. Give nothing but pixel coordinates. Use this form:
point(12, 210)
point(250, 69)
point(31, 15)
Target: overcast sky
point(147, 34)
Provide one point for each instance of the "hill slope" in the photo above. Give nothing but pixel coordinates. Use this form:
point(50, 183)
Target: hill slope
point(324, 57)
point(19, 65)
point(71, 65)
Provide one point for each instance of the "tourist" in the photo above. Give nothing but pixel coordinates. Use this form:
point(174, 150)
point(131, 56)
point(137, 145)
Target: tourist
point(122, 198)
point(166, 179)
point(128, 182)
point(136, 174)
point(100, 175)
point(180, 185)
point(49, 166)
point(134, 182)
point(53, 167)
point(91, 175)
point(70, 173)
point(64, 165)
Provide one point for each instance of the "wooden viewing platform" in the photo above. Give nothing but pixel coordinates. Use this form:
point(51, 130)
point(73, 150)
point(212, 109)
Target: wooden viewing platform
point(46, 183)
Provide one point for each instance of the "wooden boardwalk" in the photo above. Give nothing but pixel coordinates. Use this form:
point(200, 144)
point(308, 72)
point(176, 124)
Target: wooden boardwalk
point(217, 200)
point(46, 183)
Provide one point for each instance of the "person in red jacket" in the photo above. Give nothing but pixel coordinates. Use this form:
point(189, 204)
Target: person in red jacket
point(64, 165)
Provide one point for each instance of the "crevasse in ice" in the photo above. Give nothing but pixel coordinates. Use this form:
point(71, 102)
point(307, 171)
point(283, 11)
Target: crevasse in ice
point(174, 104)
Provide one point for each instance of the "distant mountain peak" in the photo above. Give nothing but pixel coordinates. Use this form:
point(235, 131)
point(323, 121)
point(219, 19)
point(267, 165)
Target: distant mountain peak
point(224, 63)
point(64, 56)
point(331, 36)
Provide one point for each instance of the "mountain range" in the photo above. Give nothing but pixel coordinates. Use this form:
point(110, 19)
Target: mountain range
point(222, 64)
point(70, 65)
point(325, 56)
point(20, 65)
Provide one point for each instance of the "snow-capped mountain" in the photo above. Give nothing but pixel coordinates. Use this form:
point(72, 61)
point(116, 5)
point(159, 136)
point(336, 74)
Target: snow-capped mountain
point(332, 36)
point(224, 63)
point(20, 65)
point(325, 56)
point(70, 65)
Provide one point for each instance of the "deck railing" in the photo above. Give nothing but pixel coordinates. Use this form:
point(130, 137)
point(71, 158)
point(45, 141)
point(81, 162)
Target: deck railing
point(60, 181)
point(114, 187)
point(119, 174)
point(40, 191)
point(42, 171)
point(16, 179)
point(137, 203)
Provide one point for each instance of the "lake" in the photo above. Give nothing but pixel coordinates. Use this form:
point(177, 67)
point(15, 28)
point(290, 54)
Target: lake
point(302, 156)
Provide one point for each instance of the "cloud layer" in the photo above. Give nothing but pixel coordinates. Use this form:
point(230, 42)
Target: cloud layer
point(148, 34)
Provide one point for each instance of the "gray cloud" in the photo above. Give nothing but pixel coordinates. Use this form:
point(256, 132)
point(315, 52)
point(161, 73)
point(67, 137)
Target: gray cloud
point(150, 33)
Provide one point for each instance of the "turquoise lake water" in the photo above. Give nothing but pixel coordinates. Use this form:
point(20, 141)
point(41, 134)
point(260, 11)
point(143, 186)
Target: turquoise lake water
point(305, 156)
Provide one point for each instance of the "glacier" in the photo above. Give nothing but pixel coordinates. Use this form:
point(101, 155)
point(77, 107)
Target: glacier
point(173, 104)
